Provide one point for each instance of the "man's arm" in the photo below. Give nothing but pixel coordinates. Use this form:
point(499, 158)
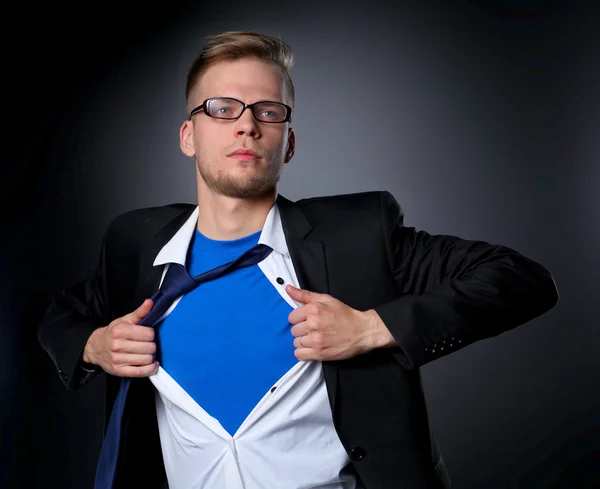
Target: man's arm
point(455, 291)
point(71, 318)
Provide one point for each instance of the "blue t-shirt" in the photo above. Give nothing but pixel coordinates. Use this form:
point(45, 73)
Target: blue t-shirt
point(228, 341)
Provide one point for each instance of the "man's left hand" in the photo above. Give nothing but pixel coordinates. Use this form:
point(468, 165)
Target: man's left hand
point(325, 328)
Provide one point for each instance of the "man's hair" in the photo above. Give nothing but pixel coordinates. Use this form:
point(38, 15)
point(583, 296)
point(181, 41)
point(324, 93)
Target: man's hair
point(233, 45)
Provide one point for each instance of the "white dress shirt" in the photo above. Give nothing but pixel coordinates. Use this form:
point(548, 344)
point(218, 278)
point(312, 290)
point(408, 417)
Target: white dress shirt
point(288, 441)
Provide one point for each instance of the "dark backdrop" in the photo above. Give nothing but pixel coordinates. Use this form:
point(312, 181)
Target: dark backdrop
point(481, 117)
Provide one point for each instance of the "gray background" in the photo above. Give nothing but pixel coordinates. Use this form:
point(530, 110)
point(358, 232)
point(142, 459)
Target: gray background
point(482, 118)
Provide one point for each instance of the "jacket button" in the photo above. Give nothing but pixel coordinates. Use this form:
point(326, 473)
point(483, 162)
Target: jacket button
point(357, 454)
point(280, 280)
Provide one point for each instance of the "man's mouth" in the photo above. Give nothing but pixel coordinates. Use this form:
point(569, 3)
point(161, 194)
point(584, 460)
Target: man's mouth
point(244, 154)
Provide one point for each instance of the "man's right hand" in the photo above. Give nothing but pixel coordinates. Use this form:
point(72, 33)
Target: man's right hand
point(124, 348)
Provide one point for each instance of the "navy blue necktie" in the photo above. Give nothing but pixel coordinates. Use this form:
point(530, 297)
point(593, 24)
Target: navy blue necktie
point(177, 282)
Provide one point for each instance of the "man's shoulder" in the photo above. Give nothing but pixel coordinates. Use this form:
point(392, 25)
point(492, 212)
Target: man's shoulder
point(150, 219)
point(357, 202)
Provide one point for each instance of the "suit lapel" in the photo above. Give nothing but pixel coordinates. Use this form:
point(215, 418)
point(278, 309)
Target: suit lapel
point(151, 275)
point(308, 258)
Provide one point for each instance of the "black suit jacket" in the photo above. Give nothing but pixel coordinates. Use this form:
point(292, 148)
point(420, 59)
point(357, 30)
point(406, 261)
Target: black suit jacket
point(435, 293)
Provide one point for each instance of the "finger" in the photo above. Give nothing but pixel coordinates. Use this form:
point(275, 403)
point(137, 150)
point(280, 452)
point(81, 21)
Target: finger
point(303, 296)
point(145, 371)
point(306, 354)
point(121, 360)
point(301, 342)
point(135, 347)
point(140, 313)
point(299, 330)
point(297, 315)
point(133, 332)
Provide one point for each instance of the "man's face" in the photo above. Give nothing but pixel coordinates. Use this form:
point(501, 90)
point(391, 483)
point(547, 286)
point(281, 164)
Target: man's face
point(213, 141)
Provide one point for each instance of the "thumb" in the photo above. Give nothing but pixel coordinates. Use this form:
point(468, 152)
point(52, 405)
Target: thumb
point(141, 312)
point(302, 295)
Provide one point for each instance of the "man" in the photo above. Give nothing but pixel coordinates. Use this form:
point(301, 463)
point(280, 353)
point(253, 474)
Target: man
point(297, 365)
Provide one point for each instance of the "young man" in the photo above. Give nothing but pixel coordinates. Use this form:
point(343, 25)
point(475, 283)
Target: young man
point(296, 366)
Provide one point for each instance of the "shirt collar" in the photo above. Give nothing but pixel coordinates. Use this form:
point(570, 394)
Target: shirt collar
point(176, 249)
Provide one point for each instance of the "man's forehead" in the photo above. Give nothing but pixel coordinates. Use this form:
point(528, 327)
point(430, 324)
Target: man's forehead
point(246, 77)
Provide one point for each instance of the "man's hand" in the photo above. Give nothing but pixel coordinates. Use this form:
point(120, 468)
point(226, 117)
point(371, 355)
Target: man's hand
point(325, 328)
point(124, 348)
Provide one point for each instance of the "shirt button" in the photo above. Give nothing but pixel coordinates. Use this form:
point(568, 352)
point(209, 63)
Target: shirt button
point(356, 454)
point(273, 389)
point(279, 280)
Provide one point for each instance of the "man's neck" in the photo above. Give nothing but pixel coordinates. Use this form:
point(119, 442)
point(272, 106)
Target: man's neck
point(226, 218)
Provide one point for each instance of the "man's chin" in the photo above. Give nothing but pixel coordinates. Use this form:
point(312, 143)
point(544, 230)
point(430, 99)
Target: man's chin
point(243, 190)
point(243, 183)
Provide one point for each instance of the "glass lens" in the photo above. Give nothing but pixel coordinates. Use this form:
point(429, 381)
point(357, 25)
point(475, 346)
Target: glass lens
point(270, 112)
point(223, 108)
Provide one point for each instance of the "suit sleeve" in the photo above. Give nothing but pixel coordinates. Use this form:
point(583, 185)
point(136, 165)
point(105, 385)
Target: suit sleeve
point(453, 291)
point(70, 319)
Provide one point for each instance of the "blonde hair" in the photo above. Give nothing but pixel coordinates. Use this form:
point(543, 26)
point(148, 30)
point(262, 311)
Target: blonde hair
point(234, 45)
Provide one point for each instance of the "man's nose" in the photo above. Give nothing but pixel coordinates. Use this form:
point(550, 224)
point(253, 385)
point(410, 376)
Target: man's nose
point(247, 125)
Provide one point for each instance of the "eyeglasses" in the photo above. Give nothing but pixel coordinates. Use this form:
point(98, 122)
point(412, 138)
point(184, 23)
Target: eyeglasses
point(230, 108)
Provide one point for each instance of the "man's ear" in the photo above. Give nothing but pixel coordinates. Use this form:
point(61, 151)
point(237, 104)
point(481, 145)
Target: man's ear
point(186, 140)
point(291, 146)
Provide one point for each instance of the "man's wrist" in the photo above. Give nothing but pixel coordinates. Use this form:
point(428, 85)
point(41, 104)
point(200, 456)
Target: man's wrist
point(86, 362)
point(86, 359)
point(87, 356)
point(379, 334)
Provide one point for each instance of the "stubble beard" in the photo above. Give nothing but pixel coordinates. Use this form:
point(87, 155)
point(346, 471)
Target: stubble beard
point(253, 187)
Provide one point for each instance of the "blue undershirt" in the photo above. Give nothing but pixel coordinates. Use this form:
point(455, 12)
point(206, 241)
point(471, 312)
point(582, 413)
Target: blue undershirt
point(228, 341)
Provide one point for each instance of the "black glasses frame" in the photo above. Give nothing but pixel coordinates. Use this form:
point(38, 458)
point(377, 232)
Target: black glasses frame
point(288, 114)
